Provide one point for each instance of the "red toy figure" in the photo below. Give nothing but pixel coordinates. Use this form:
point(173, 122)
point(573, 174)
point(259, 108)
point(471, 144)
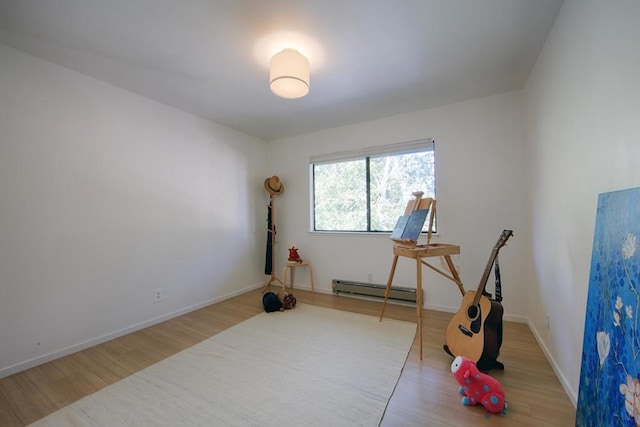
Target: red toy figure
point(293, 255)
point(478, 388)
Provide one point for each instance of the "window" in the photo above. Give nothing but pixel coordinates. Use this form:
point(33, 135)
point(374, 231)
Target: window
point(367, 190)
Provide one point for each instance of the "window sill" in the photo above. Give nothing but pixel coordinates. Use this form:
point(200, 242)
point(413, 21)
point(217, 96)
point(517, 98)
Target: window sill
point(381, 234)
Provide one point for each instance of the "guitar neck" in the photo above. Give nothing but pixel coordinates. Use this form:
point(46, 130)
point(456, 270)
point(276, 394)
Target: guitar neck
point(487, 270)
point(485, 276)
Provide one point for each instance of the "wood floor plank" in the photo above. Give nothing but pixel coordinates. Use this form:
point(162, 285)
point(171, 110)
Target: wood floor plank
point(426, 393)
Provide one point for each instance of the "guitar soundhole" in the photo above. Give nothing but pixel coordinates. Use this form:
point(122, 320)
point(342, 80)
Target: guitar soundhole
point(472, 312)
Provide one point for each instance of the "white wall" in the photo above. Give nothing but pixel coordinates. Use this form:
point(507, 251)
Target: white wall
point(106, 196)
point(479, 181)
point(583, 112)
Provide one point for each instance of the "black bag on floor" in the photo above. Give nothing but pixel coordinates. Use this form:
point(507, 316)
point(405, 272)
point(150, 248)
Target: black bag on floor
point(271, 302)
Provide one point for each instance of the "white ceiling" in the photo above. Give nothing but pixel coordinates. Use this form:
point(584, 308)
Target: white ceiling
point(369, 58)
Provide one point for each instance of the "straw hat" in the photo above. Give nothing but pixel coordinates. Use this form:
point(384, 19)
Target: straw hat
point(273, 185)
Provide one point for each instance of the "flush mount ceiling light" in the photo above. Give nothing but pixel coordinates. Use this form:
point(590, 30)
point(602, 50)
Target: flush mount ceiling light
point(289, 76)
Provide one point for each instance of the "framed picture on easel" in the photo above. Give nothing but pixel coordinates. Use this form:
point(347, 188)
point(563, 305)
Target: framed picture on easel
point(410, 224)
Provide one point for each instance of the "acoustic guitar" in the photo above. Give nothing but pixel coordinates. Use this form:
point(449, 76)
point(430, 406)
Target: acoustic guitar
point(474, 330)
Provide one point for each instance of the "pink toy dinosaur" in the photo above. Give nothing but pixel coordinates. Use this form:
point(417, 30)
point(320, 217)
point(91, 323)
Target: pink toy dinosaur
point(478, 388)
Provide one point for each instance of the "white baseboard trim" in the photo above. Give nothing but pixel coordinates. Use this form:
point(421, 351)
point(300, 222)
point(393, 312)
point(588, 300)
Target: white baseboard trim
point(563, 380)
point(39, 360)
point(27, 364)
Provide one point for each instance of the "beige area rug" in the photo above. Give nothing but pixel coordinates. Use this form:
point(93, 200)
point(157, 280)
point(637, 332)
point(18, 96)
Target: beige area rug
point(310, 366)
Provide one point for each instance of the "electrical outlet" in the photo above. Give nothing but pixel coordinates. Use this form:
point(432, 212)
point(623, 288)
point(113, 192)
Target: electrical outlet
point(548, 321)
point(370, 277)
point(158, 296)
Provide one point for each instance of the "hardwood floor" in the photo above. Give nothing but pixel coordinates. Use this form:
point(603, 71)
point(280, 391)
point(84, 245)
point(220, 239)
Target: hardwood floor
point(426, 394)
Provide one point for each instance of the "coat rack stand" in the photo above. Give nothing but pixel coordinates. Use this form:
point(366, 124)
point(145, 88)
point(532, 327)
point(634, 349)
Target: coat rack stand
point(272, 232)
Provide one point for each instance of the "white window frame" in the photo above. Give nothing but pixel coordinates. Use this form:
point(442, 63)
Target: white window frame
point(421, 145)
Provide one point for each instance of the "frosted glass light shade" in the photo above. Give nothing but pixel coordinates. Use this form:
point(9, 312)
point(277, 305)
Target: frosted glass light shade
point(289, 76)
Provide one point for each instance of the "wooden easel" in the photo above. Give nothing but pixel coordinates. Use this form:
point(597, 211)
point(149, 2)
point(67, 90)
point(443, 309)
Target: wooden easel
point(272, 230)
point(411, 249)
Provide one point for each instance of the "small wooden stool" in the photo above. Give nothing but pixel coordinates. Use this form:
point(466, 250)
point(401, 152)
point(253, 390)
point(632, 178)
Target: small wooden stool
point(292, 267)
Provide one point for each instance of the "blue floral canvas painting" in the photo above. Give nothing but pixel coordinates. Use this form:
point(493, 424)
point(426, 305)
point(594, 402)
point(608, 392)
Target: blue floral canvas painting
point(609, 393)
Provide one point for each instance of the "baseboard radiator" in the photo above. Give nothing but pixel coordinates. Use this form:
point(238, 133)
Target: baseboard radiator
point(371, 290)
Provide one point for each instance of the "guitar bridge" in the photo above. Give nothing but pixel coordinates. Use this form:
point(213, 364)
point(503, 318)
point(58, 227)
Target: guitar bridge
point(465, 331)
